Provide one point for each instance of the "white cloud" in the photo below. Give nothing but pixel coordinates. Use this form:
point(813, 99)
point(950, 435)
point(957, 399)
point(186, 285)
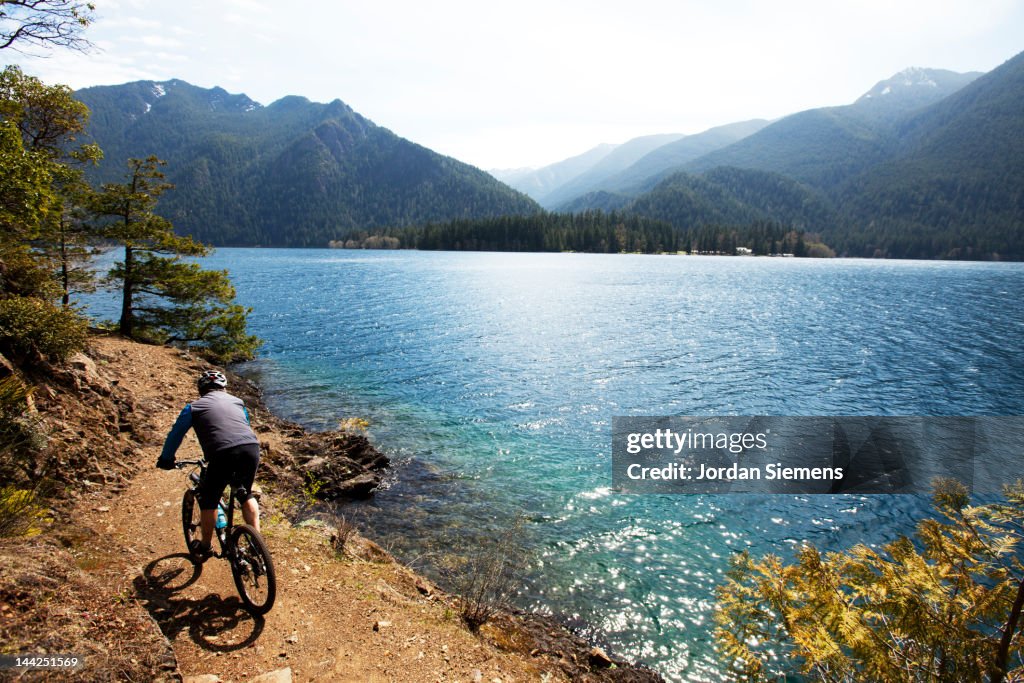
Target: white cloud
point(156, 40)
point(251, 6)
point(524, 83)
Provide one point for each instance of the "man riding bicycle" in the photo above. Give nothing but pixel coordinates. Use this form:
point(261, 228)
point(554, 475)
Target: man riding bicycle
point(229, 445)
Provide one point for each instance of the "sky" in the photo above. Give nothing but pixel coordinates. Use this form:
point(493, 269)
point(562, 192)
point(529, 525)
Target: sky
point(502, 84)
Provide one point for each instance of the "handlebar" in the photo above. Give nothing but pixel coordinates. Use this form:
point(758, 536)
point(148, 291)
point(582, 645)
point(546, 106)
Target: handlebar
point(182, 464)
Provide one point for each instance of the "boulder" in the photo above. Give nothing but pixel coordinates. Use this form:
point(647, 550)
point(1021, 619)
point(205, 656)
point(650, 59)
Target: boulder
point(276, 676)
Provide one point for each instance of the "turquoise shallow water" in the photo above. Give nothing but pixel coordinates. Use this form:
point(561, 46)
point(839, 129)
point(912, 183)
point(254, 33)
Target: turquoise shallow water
point(491, 379)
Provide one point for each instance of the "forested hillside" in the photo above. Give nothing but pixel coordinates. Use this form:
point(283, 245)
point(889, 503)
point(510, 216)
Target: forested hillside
point(295, 173)
point(956, 183)
point(927, 164)
point(874, 178)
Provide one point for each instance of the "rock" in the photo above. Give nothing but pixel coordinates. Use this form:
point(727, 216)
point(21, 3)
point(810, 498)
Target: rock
point(202, 678)
point(83, 365)
point(313, 524)
point(277, 676)
point(598, 658)
point(359, 486)
point(378, 625)
point(292, 639)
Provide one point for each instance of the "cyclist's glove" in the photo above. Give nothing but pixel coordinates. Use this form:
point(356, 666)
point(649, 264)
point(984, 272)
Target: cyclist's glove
point(165, 464)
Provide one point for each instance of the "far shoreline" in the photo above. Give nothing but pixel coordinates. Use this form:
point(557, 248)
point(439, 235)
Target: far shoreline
point(757, 257)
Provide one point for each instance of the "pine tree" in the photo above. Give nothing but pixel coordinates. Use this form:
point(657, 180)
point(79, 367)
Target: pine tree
point(945, 606)
point(163, 297)
point(46, 173)
point(67, 239)
point(38, 125)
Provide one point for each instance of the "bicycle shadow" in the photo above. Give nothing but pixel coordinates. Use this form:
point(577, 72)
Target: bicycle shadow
point(213, 623)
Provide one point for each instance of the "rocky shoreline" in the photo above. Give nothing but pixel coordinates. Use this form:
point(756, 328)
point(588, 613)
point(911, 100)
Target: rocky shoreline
point(77, 584)
point(348, 466)
point(339, 465)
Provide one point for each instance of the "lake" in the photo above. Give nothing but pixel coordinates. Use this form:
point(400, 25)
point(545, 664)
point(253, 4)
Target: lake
point(491, 380)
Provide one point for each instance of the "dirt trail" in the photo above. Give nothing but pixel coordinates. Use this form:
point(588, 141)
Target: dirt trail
point(361, 617)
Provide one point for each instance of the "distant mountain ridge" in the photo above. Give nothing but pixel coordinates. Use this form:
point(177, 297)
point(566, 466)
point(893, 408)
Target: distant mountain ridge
point(913, 87)
point(925, 164)
point(616, 161)
point(823, 147)
point(661, 161)
point(907, 180)
point(293, 173)
point(538, 183)
point(820, 147)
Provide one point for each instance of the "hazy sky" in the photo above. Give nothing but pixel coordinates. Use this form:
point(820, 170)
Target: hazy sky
point(503, 84)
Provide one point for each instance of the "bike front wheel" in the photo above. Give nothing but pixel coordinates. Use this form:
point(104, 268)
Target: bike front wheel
point(190, 518)
point(253, 569)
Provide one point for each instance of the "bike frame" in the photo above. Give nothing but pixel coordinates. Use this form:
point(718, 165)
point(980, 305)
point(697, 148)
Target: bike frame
point(223, 535)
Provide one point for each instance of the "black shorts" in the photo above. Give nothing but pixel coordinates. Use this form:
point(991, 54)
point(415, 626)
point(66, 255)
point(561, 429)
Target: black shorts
point(236, 466)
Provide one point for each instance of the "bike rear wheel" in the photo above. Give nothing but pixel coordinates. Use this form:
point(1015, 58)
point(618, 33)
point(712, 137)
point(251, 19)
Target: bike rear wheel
point(253, 569)
point(190, 518)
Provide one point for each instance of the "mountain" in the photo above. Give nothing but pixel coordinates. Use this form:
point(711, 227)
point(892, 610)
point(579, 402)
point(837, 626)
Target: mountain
point(616, 161)
point(819, 147)
point(911, 89)
point(294, 173)
point(823, 147)
point(956, 175)
point(734, 196)
point(897, 180)
point(655, 165)
point(537, 183)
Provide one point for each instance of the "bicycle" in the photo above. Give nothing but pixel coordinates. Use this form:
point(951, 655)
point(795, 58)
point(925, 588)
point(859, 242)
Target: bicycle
point(242, 546)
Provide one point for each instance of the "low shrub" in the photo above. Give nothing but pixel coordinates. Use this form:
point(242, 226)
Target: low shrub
point(31, 326)
point(486, 576)
point(19, 509)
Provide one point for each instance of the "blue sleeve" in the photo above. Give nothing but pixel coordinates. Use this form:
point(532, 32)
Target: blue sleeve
point(177, 433)
point(246, 411)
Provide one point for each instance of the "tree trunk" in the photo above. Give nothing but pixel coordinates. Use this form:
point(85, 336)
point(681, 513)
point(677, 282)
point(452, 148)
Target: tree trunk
point(65, 274)
point(1003, 654)
point(127, 318)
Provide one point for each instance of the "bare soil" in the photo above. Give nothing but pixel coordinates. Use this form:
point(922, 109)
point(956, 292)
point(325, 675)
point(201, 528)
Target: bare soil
point(111, 580)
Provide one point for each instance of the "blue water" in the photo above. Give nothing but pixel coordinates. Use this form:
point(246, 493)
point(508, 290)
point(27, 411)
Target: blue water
point(491, 380)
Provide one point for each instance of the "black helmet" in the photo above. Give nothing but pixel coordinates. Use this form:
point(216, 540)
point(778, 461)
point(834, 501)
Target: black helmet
point(211, 380)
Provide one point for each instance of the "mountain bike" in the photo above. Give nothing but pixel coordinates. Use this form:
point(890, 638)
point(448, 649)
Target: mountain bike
point(242, 546)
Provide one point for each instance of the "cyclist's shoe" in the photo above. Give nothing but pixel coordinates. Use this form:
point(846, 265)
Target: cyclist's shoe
point(199, 553)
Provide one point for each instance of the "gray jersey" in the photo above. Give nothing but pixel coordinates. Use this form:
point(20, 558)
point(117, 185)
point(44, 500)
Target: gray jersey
point(221, 421)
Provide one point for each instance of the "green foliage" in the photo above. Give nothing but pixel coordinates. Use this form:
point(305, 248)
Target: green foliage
point(23, 273)
point(311, 488)
point(25, 185)
point(33, 327)
point(67, 243)
point(48, 117)
point(40, 182)
point(19, 509)
point(591, 232)
point(19, 432)
point(295, 173)
point(165, 298)
point(20, 439)
point(944, 606)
